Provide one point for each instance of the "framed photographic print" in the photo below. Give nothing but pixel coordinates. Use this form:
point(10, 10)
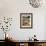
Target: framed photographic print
point(26, 20)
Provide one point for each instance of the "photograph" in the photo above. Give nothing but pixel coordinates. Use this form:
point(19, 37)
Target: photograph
point(26, 20)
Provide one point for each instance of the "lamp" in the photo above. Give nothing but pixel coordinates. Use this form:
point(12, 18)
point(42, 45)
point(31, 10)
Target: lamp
point(36, 3)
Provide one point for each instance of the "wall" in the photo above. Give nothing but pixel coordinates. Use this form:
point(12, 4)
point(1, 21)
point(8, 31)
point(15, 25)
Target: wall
point(13, 8)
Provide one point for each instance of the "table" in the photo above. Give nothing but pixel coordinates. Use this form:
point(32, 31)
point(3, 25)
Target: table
point(27, 42)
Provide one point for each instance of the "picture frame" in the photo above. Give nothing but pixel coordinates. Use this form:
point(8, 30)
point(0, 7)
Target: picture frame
point(26, 20)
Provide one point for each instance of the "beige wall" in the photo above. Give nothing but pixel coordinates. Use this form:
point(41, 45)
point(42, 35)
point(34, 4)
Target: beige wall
point(13, 8)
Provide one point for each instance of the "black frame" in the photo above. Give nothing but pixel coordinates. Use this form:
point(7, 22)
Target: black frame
point(31, 20)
